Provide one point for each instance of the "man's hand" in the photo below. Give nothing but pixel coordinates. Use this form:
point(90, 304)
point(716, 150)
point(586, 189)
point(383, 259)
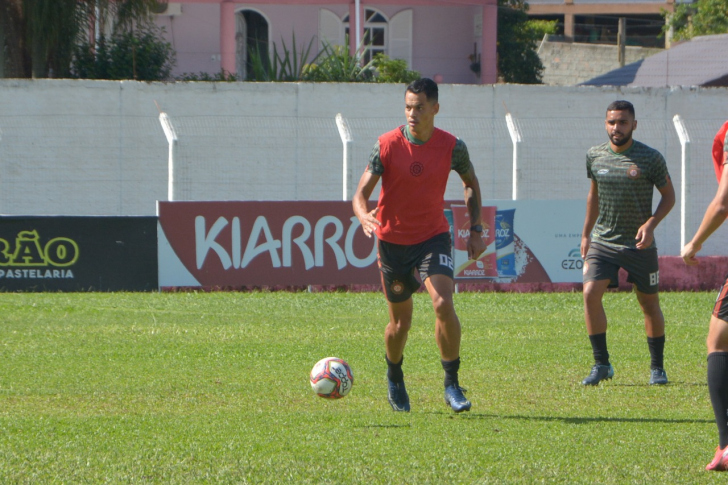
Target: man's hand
point(369, 222)
point(688, 253)
point(585, 243)
point(644, 236)
point(476, 245)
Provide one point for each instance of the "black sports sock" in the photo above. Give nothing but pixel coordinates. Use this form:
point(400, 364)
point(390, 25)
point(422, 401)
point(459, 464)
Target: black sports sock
point(451, 369)
point(657, 351)
point(599, 348)
point(718, 387)
point(394, 371)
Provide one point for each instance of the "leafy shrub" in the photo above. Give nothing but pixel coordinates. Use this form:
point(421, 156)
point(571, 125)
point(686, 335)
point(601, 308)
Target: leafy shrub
point(393, 70)
point(140, 55)
point(332, 64)
point(337, 65)
point(222, 76)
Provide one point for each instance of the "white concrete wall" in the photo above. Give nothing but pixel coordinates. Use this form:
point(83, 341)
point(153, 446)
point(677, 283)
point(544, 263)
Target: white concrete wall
point(97, 148)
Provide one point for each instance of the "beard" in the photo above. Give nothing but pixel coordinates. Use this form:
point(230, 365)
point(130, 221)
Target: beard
point(617, 142)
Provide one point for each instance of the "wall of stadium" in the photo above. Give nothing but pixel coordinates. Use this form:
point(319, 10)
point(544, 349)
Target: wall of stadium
point(97, 147)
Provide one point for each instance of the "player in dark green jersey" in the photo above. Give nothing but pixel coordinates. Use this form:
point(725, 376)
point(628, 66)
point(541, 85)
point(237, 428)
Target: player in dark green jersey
point(619, 233)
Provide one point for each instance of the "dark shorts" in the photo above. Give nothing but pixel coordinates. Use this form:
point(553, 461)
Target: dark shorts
point(720, 310)
point(603, 262)
point(397, 264)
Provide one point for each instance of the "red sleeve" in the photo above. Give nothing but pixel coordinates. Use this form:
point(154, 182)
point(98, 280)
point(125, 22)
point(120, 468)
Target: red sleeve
point(719, 150)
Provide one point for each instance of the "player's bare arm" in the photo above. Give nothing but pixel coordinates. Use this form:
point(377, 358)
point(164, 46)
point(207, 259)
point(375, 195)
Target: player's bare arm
point(367, 218)
point(714, 216)
point(471, 187)
point(646, 233)
point(592, 213)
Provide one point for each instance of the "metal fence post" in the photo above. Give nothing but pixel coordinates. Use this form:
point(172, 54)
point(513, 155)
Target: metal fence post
point(516, 139)
point(347, 140)
point(171, 135)
point(684, 137)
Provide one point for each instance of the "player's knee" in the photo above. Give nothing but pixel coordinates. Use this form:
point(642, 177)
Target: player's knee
point(592, 295)
point(401, 325)
point(717, 340)
point(443, 306)
point(651, 306)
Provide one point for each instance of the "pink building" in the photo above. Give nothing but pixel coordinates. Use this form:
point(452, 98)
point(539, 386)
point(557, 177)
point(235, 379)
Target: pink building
point(438, 38)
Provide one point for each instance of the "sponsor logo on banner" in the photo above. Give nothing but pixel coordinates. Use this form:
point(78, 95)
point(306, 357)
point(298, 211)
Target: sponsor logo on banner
point(543, 246)
point(485, 266)
point(78, 253)
point(573, 261)
point(234, 244)
point(237, 244)
point(27, 257)
point(505, 250)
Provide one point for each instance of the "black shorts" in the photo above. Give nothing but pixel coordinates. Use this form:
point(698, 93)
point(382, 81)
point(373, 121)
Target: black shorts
point(603, 262)
point(720, 310)
point(398, 262)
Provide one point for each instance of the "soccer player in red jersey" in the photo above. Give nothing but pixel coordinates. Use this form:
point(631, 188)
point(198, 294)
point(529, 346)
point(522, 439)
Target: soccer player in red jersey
point(717, 341)
point(414, 162)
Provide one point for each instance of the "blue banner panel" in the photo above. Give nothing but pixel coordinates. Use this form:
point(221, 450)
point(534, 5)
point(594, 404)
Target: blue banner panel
point(78, 253)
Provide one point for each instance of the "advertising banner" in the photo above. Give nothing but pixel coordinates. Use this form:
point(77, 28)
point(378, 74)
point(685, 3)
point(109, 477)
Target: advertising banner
point(538, 241)
point(67, 253)
point(505, 242)
point(485, 265)
point(237, 244)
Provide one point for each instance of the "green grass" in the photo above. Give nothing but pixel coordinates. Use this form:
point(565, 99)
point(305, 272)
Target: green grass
point(213, 388)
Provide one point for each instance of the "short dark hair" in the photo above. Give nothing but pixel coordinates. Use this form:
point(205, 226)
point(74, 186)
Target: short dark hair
point(423, 85)
point(621, 105)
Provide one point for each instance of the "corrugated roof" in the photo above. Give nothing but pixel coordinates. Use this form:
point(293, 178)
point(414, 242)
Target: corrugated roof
point(702, 61)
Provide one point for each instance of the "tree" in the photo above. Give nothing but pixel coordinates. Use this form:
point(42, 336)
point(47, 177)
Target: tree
point(11, 60)
point(703, 17)
point(38, 37)
point(518, 38)
point(51, 28)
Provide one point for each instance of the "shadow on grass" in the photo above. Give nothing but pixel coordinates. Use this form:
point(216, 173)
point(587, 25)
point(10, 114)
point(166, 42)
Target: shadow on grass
point(669, 384)
point(575, 420)
point(385, 426)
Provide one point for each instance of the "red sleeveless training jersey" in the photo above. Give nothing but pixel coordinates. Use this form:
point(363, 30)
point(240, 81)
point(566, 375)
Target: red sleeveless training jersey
point(719, 150)
point(412, 196)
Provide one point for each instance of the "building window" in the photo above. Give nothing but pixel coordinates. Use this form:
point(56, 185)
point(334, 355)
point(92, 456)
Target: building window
point(375, 33)
point(251, 38)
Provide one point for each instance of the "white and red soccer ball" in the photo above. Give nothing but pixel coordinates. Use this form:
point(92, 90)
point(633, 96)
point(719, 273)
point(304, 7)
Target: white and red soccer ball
point(331, 378)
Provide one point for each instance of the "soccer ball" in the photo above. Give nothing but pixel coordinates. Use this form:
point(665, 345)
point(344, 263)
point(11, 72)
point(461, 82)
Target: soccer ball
point(331, 378)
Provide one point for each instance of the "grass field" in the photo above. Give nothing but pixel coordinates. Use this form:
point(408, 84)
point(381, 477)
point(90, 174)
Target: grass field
point(213, 388)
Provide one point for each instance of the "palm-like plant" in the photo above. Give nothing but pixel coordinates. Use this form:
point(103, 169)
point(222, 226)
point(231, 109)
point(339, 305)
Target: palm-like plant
point(331, 64)
point(288, 65)
point(337, 65)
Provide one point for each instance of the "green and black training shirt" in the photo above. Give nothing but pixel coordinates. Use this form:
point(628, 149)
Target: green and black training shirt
point(625, 182)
